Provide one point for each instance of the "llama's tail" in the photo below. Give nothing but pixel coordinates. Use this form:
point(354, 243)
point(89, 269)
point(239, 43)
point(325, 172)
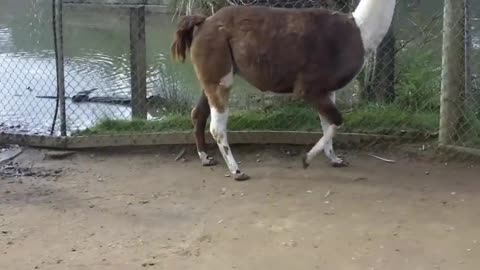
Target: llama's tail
point(184, 36)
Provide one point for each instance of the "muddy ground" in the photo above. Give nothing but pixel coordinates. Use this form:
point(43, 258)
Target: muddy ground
point(143, 210)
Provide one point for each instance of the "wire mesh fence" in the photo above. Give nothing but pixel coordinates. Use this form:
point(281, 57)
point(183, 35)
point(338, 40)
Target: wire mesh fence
point(471, 133)
point(27, 67)
point(119, 77)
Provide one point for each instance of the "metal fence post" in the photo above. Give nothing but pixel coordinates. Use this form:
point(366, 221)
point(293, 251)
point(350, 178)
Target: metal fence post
point(453, 72)
point(59, 57)
point(138, 64)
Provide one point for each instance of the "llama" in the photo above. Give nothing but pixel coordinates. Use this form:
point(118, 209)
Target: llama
point(310, 53)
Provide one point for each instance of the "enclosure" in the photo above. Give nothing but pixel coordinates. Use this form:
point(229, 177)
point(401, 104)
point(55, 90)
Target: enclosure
point(99, 73)
point(90, 75)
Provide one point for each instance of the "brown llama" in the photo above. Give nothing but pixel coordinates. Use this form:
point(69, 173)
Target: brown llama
point(307, 52)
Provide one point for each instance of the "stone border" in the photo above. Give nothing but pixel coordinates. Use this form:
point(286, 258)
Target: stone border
point(187, 138)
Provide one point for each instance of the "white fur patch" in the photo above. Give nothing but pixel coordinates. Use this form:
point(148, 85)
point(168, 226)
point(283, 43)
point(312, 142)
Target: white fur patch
point(203, 157)
point(218, 123)
point(373, 17)
point(328, 148)
point(218, 129)
point(227, 80)
point(327, 137)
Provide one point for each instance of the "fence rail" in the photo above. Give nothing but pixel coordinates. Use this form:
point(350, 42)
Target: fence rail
point(120, 87)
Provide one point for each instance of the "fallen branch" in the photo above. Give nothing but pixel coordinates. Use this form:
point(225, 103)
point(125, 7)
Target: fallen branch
point(383, 159)
point(180, 155)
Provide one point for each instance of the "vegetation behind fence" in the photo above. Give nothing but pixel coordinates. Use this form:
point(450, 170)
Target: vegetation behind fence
point(422, 82)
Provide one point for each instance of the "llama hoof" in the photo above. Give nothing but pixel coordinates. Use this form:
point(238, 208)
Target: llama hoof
point(339, 163)
point(209, 161)
point(305, 162)
point(239, 176)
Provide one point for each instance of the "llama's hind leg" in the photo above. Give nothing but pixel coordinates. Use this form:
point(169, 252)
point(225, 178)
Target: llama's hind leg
point(200, 115)
point(218, 129)
point(328, 149)
point(218, 96)
point(219, 133)
point(210, 54)
point(332, 116)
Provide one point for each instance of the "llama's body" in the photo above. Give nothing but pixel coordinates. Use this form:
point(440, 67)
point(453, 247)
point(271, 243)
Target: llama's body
point(268, 48)
point(309, 52)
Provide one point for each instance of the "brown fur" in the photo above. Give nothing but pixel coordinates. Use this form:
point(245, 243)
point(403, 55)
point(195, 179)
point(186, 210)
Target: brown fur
point(308, 52)
point(200, 114)
point(218, 96)
point(274, 49)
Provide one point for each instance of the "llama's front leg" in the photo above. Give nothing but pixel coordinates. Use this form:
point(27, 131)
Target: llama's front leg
point(218, 129)
point(320, 145)
point(328, 149)
point(331, 120)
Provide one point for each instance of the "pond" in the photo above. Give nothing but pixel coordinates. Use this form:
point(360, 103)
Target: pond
point(97, 57)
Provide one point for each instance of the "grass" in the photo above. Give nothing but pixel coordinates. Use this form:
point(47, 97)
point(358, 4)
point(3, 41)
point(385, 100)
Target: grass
point(370, 119)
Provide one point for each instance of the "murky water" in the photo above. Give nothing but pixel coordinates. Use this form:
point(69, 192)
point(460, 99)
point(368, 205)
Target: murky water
point(97, 57)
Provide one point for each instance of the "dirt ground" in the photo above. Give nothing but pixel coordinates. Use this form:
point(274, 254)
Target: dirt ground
point(143, 210)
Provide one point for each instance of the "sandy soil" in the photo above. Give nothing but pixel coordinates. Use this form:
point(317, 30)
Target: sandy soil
point(144, 210)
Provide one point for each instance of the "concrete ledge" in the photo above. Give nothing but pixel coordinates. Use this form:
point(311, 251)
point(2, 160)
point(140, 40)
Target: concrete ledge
point(187, 138)
point(34, 140)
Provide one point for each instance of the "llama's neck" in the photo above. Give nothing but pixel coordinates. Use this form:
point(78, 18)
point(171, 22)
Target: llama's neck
point(374, 17)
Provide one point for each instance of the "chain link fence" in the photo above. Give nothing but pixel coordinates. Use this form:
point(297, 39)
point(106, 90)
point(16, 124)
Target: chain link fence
point(471, 133)
point(27, 67)
point(118, 67)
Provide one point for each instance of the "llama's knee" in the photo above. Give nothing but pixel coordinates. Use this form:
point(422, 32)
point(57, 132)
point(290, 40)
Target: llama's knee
point(218, 124)
point(200, 111)
point(194, 116)
point(336, 118)
point(218, 134)
point(214, 133)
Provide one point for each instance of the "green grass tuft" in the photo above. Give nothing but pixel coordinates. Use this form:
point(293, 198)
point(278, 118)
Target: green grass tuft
point(366, 119)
